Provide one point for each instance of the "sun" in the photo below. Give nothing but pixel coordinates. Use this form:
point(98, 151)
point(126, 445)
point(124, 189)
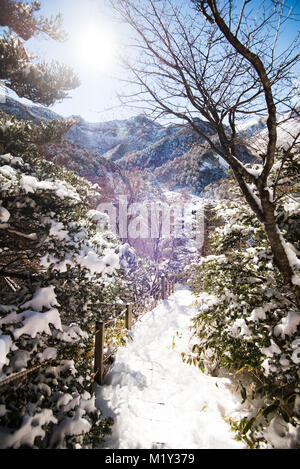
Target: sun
point(96, 48)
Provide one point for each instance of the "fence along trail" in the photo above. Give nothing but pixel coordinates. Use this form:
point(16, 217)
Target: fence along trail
point(156, 400)
point(166, 287)
point(99, 358)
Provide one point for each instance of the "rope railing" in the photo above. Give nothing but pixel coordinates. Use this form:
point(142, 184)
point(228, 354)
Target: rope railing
point(21, 374)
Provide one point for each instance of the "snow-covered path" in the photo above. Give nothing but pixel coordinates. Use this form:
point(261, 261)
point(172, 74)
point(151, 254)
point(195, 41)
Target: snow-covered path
point(156, 400)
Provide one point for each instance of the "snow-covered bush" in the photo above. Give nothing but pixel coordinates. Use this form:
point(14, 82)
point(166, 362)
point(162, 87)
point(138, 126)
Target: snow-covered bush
point(248, 320)
point(60, 272)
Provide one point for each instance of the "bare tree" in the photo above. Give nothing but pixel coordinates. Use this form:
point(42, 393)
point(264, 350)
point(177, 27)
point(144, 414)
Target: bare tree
point(221, 63)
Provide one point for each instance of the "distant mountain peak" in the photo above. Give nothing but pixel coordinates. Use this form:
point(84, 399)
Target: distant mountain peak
point(174, 155)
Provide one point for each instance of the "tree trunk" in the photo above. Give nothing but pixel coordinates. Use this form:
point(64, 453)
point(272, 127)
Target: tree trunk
point(265, 214)
point(277, 245)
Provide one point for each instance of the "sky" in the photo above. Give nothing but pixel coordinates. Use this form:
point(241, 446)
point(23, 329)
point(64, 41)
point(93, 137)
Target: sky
point(96, 37)
point(91, 49)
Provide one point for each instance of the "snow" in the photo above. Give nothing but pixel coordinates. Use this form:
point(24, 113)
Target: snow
point(255, 130)
point(7, 171)
point(97, 216)
point(254, 197)
point(36, 323)
point(32, 236)
point(71, 333)
point(281, 434)
point(271, 350)
point(255, 172)
point(156, 400)
point(30, 429)
point(291, 254)
point(62, 266)
point(4, 215)
point(107, 264)
point(77, 424)
point(70, 426)
point(19, 360)
point(28, 184)
point(57, 231)
point(221, 161)
point(49, 353)
point(288, 325)
point(5, 344)
point(239, 328)
point(31, 184)
point(43, 298)
point(11, 159)
point(296, 280)
point(259, 313)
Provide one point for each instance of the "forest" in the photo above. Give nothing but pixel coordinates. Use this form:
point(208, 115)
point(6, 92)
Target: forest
point(189, 211)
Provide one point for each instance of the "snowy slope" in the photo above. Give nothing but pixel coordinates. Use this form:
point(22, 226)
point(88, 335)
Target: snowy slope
point(256, 131)
point(34, 113)
point(156, 400)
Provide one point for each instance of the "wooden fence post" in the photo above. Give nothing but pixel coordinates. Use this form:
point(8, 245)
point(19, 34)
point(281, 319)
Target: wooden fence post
point(163, 287)
point(98, 359)
point(128, 316)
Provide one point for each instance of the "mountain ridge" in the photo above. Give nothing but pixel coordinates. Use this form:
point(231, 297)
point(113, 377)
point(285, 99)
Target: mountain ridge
point(136, 143)
point(174, 156)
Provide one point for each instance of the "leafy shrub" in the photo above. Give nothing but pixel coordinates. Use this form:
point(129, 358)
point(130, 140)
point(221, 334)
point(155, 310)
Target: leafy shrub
point(248, 322)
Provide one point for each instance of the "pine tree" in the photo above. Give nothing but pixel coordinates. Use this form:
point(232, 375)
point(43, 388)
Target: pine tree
point(57, 263)
point(57, 268)
point(38, 81)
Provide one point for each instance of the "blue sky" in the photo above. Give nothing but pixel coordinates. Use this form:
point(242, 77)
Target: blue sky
point(96, 99)
point(97, 93)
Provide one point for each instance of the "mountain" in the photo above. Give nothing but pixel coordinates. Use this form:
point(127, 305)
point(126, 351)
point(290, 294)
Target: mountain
point(27, 112)
point(87, 164)
point(180, 159)
point(133, 134)
point(128, 135)
point(78, 158)
point(167, 155)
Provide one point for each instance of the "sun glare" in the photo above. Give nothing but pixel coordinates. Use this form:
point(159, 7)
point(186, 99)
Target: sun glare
point(97, 48)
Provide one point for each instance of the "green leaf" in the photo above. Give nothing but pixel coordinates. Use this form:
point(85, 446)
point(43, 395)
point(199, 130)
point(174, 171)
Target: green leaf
point(284, 415)
point(248, 425)
point(270, 409)
point(243, 393)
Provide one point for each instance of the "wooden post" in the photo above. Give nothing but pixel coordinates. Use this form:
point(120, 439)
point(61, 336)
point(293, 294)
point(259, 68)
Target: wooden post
point(163, 287)
point(173, 286)
point(99, 345)
point(128, 316)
